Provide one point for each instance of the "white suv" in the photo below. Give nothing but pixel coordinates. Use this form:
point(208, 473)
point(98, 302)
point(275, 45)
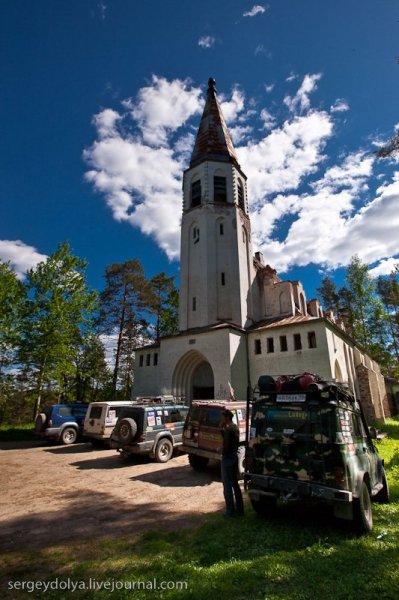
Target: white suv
point(101, 419)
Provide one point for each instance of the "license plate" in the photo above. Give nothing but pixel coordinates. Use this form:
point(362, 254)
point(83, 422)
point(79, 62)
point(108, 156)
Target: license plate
point(291, 397)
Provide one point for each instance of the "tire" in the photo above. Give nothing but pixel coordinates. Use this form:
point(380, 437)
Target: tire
point(362, 513)
point(383, 495)
point(126, 430)
point(163, 451)
point(198, 462)
point(265, 506)
point(40, 422)
point(69, 436)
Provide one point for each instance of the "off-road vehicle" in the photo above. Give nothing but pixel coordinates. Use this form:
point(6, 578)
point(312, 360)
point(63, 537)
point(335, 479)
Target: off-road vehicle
point(153, 427)
point(61, 422)
point(309, 440)
point(202, 438)
point(101, 419)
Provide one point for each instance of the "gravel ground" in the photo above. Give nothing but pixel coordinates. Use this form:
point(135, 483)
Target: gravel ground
point(51, 494)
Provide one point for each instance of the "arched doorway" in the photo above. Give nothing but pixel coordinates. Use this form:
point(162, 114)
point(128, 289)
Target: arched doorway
point(193, 377)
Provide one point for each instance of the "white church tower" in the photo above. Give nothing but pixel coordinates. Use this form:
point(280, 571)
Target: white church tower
point(217, 273)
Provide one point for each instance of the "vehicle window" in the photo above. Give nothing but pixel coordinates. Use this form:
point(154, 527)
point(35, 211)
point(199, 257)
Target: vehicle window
point(155, 418)
point(174, 415)
point(195, 413)
point(212, 417)
point(65, 411)
point(117, 409)
point(95, 412)
point(79, 411)
point(292, 419)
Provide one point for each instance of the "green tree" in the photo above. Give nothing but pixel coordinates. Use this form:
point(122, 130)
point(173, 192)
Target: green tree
point(92, 373)
point(12, 294)
point(164, 302)
point(388, 291)
point(328, 294)
point(359, 305)
point(124, 308)
point(57, 312)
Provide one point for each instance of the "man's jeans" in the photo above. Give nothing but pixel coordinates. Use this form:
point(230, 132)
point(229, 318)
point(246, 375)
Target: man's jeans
point(231, 487)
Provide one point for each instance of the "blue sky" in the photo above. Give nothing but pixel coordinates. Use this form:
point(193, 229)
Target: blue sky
point(100, 101)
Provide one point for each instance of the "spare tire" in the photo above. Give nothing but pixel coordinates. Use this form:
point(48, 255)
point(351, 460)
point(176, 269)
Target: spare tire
point(40, 422)
point(126, 430)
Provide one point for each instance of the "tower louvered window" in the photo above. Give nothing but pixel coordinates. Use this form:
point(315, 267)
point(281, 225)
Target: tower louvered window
point(219, 189)
point(240, 193)
point(196, 193)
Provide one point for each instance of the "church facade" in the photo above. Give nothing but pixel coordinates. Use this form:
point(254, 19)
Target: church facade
point(237, 319)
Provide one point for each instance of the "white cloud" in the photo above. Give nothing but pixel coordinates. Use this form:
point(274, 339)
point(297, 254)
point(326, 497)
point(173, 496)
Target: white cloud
point(385, 267)
point(162, 107)
point(141, 151)
point(269, 88)
point(257, 9)
point(206, 41)
point(21, 256)
point(301, 99)
point(340, 105)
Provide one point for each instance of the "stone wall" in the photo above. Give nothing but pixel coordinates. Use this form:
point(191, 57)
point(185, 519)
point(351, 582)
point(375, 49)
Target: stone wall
point(372, 392)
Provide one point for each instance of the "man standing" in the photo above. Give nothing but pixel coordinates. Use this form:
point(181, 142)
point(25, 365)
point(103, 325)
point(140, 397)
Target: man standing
point(231, 487)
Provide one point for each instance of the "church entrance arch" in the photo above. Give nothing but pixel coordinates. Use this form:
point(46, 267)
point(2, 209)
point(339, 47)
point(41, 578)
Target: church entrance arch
point(193, 378)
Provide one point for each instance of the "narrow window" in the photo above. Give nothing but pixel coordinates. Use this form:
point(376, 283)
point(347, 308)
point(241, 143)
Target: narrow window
point(223, 278)
point(196, 235)
point(258, 347)
point(297, 341)
point(270, 345)
point(240, 191)
point(155, 359)
point(312, 339)
point(219, 189)
point(221, 229)
point(148, 360)
point(141, 360)
point(283, 343)
point(196, 193)
point(194, 303)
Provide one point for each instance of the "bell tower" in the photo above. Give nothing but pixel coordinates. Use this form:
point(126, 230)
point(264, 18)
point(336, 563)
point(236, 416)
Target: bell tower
point(216, 265)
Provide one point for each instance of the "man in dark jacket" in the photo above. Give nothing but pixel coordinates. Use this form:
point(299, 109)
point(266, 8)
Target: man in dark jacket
point(231, 487)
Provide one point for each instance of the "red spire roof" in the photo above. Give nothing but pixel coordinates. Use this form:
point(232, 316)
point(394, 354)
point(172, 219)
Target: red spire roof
point(213, 140)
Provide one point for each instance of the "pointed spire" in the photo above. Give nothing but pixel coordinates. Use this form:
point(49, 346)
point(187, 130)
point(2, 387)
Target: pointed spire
point(213, 140)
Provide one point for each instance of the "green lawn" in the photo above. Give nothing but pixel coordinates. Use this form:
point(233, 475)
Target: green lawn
point(16, 433)
point(298, 555)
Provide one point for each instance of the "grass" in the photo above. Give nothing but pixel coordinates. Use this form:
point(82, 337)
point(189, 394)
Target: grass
point(298, 555)
point(16, 433)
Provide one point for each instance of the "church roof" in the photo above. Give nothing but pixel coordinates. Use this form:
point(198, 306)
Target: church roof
point(213, 140)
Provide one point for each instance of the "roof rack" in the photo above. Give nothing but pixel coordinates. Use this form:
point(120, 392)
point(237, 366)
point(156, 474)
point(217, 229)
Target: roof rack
point(157, 400)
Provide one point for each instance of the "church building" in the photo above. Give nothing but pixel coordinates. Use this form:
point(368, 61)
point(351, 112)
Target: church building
point(237, 319)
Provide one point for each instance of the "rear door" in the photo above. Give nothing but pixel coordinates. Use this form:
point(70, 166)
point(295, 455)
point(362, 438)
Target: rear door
point(209, 434)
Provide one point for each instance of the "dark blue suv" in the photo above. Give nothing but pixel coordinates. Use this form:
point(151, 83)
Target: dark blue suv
point(61, 422)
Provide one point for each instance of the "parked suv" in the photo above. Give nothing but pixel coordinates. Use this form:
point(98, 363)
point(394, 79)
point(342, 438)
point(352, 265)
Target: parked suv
point(309, 440)
point(101, 419)
point(61, 422)
point(153, 427)
point(202, 438)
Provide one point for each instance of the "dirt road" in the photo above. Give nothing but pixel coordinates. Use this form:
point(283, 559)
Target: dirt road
point(51, 494)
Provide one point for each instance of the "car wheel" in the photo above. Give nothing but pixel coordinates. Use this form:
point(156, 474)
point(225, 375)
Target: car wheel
point(163, 451)
point(40, 422)
point(198, 462)
point(265, 506)
point(362, 513)
point(126, 430)
point(383, 495)
point(69, 436)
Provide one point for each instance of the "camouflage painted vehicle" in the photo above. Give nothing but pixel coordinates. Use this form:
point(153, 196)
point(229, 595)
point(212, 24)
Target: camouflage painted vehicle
point(309, 440)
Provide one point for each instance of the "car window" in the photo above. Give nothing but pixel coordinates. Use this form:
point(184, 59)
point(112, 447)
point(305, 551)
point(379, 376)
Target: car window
point(174, 415)
point(212, 417)
point(65, 411)
point(95, 412)
point(79, 410)
point(292, 419)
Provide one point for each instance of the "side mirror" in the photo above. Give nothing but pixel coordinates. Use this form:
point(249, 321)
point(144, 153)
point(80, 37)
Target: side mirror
point(373, 433)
